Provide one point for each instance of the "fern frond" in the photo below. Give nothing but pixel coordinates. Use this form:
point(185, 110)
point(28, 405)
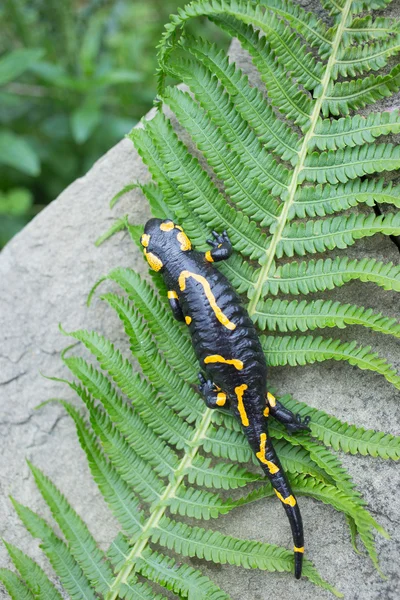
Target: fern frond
point(235, 132)
point(198, 504)
point(32, 574)
point(335, 7)
point(138, 590)
point(344, 436)
point(362, 58)
point(14, 586)
point(343, 164)
point(200, 193)
point(133, 470)
point(355, 131)
point(264, 159)
point(301, 350)
point(177, 392)
point(213, 546)
point(222, 475)
point(334, 232)
point(276, 135)
point(81, 544)
point(320, 275)
point(164, 422)
point(223, 159)
point(236, 269)
point(146, 442)
point(361, 5)
point(282, 315)
point(223, 443)
point(336, 498)
point(168, 334)
point(312, 29)
point(58, 553)
point(283, 93)
point(367, 28)
point(119, 497)
point(357, 93)
point(181, 579)
point(321, 200)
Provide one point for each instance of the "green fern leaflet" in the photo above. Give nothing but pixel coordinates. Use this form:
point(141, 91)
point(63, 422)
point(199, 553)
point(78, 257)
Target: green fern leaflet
point(283, 170)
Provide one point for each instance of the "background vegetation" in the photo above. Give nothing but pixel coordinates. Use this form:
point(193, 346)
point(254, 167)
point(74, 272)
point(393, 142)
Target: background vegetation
point(75, 77)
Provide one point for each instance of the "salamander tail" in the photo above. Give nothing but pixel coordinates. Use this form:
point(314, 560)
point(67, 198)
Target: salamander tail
point(298, 563)
point(273, 469)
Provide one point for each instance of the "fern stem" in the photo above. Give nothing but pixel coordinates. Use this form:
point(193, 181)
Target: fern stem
point(159, 507)
point(277, 236)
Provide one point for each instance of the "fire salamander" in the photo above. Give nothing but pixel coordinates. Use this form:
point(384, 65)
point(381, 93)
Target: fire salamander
point(228, 349)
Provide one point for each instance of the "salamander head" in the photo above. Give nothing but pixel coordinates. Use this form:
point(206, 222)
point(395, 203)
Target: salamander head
point(163, 238)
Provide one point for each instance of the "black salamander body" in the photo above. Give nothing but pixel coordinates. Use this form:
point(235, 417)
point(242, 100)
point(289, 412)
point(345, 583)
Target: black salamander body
point(227, 347)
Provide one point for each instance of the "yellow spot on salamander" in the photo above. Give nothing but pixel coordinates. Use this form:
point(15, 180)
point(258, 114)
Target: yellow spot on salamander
point(167, 226)
point(271, 399)
point(188, 320)
point(215, 358)
point(221, 398)
point(210, 297)
point(239, 391)
point(172, 294)
point(178, 227)
point(261, 455)
point(184, 241)
point(266, 411)
point(145, 239)
point(296, 549)
point(209, 258)
point(154, 262)
point(290, 500)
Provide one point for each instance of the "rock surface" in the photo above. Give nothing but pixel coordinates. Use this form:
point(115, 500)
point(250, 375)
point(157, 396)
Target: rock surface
point(46, 272)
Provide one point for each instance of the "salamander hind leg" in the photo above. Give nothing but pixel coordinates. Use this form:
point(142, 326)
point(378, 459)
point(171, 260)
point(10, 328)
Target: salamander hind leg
point(221, 247)
point(292, 422)
point(213, 396)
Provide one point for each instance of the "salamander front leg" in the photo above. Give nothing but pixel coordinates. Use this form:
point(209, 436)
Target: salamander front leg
point(221, 247)
point(213, 396)
point(175, 306)
point(292, 422)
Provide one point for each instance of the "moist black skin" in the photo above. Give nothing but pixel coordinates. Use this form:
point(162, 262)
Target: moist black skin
point(234, 371)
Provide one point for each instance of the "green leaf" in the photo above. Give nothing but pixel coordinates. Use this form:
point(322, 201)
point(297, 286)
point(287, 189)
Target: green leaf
point(16, 62)
point(116, 493)
point(218, 548)
point(58, 554)
point(34, 576)
point(344, 436)
point(14, 586)
point(321, 275)
point(282, 315)
point(85, 119)
point(275, 134)
point(16, 152)
point(356, 130)
point(180, 579)
point(81, 543)
point(307, 350)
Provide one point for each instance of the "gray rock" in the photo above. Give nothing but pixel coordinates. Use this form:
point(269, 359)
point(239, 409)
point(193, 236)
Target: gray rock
point(46, 273)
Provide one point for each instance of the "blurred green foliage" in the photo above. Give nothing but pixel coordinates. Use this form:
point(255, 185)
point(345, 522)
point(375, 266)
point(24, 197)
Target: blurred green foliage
point(75, 77)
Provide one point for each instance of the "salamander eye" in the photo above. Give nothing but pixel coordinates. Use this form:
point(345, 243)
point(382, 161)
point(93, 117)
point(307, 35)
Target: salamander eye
point(145, 239)
point(167, 226)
